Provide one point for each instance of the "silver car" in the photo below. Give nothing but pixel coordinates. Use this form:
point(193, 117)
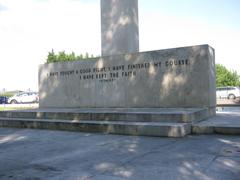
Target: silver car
point(228, 92)
point(24, 97)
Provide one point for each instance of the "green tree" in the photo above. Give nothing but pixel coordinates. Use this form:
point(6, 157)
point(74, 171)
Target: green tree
point(71, 57)
point(51, 57)
point(86, 56)
point(224, 77)
point(79, 57)
point(63, 56)
point(7, 94)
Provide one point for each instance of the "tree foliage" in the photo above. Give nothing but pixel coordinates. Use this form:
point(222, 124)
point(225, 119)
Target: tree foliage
point(224, 77)
point(7, 94)
point(63, 56)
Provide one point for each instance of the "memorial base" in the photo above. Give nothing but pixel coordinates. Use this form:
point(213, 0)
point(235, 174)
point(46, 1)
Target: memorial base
point(171, 122)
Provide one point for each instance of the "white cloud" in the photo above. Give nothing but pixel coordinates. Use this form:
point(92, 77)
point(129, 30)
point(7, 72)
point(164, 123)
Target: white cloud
point(31, 28)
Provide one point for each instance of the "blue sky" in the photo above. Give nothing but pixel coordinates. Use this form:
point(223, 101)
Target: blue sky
point(29, 29)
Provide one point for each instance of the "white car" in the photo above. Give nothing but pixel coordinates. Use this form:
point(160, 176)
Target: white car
point(24, 97)
point(228, 92)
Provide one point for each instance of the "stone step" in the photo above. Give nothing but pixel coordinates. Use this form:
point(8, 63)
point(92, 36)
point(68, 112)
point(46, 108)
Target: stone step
point(223, 123)
point(216, 129)
point(110, 127)
point(177, 115)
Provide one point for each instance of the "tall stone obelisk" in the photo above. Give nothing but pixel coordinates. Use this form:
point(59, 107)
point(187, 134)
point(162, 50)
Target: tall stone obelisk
point(119, 27)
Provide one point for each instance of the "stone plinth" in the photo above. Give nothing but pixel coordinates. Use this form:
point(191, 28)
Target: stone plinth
point(179, 77)
point(170, 122)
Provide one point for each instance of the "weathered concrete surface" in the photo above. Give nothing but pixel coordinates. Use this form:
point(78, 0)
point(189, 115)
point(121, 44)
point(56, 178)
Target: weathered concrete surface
point(119, 27)
point(108, 127)
point(223, 123)
point(177, 115)
point(176, 123)
point(39, 154)
point(171, 78)
point(168, 122)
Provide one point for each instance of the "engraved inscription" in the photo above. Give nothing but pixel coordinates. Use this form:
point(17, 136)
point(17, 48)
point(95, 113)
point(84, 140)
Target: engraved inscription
point(110, 74)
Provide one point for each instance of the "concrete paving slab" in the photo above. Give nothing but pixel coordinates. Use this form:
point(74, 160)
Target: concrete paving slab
point(44, 154)
point(223, 123)
point(228, 165)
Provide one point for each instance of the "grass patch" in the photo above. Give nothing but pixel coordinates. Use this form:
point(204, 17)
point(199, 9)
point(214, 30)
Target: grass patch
point(12, 108)
point(8, 108)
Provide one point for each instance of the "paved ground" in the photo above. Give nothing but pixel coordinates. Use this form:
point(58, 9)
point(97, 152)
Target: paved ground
point(224, 122)
point(42, 154)
point(230, 102)
point(223, 119)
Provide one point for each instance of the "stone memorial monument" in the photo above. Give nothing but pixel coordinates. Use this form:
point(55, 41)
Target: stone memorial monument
point(129, 91)
point(119, 27)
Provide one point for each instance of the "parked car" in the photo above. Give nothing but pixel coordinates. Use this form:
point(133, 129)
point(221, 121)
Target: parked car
point(228, 92)
point(3, 100)
point(24, 97)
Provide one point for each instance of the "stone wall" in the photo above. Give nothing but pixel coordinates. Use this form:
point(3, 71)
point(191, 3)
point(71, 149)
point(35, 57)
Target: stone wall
point(171, 78)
